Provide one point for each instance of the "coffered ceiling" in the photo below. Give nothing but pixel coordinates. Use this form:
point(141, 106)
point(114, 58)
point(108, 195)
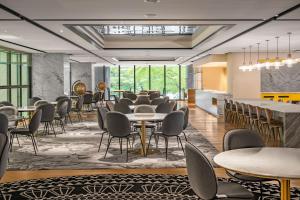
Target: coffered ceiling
point(72, 27)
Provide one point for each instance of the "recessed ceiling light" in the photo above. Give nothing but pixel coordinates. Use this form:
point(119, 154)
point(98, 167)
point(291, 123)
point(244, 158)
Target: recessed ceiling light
point(9, 37)
point(151, 1)
point(149, 15)
point(61, 31)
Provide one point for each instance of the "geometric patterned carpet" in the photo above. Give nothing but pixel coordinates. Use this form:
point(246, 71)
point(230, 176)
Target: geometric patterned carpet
point(78, 149)
point(119, 187)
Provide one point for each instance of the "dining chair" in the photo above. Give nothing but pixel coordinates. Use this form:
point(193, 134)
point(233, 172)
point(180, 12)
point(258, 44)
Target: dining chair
point(172, 126)
point(131, 96)
point(69, 110)
point(61, 113)
point(173, 105)
point(144, 109)
point(273, 128)
point(4, 145)
point(239, 139)
point(48, 113)
point(126, 100)
point(33, 100)
point(122, 108)
point(186, 112)
point(157, 101)
point(142, 100)
point(6, 103)
point(118, 126)
point(110, 105)
point(78, 107)
point(87, 101)
point(60, 97)
point(166, 98)
point(101, 119)
point(40, 102)
point(163, 108)
point(154, 95)
point(203, 180)
point(11, 111)
point(30, 131)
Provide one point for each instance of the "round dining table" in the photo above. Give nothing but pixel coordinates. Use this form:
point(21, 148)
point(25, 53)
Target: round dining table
point(132, 107)
point(266, 162)
point(28, 109)
point(143, 118)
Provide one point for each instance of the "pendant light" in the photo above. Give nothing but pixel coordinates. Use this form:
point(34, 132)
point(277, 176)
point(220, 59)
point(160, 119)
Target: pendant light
point(267, 63)
point(258, 65)
point(244, 67)
point(277, 64)
point(250, 67)
point(289, 61)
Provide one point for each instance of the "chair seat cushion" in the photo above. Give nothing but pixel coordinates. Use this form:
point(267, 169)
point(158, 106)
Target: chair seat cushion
point(233, 191)
point(21, 131)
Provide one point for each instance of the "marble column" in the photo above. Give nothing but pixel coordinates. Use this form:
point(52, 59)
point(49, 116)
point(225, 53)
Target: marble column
point(82, 72)
point(48, 75)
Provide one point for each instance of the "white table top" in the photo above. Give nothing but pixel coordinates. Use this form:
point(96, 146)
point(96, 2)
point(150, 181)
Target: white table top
point(14, 118)
point(27, 109)
point(146, 116)
point(266, 162)
point(272, 105)
point(132, 107)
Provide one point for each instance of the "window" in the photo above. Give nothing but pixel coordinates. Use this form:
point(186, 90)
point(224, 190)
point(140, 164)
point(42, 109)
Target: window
point(127, 78)
point(172, 81)
point(141, 78)
point(15, 81)
point(114, 78)
point(184, 79)
point(157, 78)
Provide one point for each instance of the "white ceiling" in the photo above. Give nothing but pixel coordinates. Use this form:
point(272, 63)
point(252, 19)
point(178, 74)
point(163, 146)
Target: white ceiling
point(54, 13)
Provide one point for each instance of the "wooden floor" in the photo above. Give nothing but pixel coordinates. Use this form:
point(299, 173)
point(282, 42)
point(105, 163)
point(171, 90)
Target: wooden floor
point(209, 126)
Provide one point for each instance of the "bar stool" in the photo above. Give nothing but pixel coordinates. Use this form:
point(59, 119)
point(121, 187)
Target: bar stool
point(260, 121)
point(234, 113)
point(240, 115)
point(274, 128)
point(227, 111)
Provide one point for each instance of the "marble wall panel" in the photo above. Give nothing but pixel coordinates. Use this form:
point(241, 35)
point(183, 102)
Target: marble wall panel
point(83, 72)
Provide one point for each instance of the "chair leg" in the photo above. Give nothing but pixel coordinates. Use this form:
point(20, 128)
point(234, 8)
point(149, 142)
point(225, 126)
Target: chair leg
point(101, 140)
point(11, 142)
point(178, 138)
point(52, 126)
point(184, 136)
point(18, 140)
point(166, 143)
point(69, 116)
point(33, 144)
point(127, 149)
point(109, 141)
point(120, 141)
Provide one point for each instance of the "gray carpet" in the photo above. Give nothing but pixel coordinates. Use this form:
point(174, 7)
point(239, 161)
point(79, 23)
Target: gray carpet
point(78, 149)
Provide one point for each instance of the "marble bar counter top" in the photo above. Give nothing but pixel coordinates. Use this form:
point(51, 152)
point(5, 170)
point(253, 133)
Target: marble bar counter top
point(287, 113)
point(211, 101)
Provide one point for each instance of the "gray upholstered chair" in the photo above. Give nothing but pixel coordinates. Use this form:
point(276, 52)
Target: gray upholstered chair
point(62, 112)
point(40, 102)
point(4, 144)
point(186, 112)
point(166, 98)
point(243, 138)
point(126, 100)
point(69, 110)
point(6, 103)
point(30, 131)
point(144, 109)
point(101, 118)
point(173, 105)
point(116, 98)
point(48, 113)
point(60, 97)
point(204, 182)
point(78, 107)
point(157, 101)
point(131, 96)
point(172, 126)
point(163, 108)
point(122, 108)
point(118, 126)
point(87, 101)
point(110, 105)
point(142, 100)
point(154, 95)
point(33, 100)
point(10, 111)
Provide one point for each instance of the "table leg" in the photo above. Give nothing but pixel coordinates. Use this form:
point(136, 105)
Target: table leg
point(285, 193)
point(143, 136)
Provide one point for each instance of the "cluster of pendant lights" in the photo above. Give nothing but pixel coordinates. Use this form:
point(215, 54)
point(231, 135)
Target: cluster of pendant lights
point(268, 63)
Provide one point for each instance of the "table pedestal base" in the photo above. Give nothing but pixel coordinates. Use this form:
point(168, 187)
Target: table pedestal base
point(285, 193)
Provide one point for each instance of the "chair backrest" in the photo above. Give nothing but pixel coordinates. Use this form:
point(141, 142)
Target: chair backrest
point(154, 95)
point(109, 105)
point(117, 99)
point(269, 115)
point(173, 105)
point(201, 175)
point(122, 107)
point(3, 123)
point(125, 94)
point(118, 124)
point(131, 96)
point(126, 100)
point(4, 147)
point(142, 100)
point(62, 108)
point(173, 123)
point(33, 100)
point(163, 108)
point(69, 105)
point(6, 103)
point(9, 110)
point(157, 101)
point(166, 98)
point(144, 109)
point(60, 97)
point(241, 138)
point(48, 112)
point(40, 102)
point(97, 96)
point(101, 117)
point(35, 121)
point(79, 103)
point(143, 93)
point(186, 112)
point(87, 98)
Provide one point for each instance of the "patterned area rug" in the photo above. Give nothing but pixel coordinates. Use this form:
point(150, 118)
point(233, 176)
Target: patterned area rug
point(78, 149)
point(117, 187)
